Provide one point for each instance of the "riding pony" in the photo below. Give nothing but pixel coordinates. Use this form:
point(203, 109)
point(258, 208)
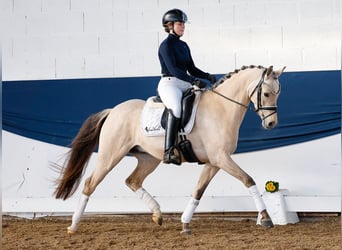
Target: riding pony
point(117, 132)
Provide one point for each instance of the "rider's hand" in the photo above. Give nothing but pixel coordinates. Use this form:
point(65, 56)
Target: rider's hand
point(212, 79)
point(199, 83)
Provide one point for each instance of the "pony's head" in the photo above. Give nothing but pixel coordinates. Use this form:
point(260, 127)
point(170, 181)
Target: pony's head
point(264, 94)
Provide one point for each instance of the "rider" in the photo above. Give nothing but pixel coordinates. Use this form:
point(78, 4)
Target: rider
point(176, 61)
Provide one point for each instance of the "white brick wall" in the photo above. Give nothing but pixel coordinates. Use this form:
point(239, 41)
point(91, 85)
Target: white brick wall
point(55, 6)
point(100, 22)
point(47, 39)
point(67, 23)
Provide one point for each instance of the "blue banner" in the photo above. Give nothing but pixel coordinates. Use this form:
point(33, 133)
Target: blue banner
point(52, 111)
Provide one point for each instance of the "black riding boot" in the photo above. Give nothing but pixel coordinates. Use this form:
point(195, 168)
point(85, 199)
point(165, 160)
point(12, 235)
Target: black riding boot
point(171, 134)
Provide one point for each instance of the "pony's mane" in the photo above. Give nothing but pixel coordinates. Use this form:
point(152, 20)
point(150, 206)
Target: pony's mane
point(229, 75)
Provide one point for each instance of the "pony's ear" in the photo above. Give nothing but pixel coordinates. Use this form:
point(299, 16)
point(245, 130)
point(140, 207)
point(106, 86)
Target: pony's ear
point(279, 71)
point(269, 72)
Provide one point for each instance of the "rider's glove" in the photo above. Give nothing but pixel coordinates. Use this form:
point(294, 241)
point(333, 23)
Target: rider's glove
point(212, 79)
point(199, 83)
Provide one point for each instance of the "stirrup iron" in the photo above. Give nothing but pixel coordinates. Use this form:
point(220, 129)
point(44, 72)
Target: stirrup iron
point(171, 157)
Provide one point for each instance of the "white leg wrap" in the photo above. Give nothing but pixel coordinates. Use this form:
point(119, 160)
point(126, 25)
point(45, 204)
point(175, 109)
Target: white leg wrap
point(259, 203)
point(148, 199)
point(189, 210)
point(79, 211)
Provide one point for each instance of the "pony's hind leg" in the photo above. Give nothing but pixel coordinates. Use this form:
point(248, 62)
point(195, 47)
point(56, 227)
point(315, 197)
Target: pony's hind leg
point(206, 176)
point(103, 167)
point(146, 165)
point(115, 138)
point(107, 160)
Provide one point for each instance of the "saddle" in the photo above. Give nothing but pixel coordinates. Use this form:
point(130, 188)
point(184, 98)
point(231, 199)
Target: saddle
point(187, 104)
point(184, 145)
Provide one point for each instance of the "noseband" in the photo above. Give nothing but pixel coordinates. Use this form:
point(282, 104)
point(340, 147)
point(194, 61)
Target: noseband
point(258, 89)
point(259, 107)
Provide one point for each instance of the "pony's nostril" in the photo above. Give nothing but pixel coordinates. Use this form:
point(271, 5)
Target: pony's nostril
point(270, 124)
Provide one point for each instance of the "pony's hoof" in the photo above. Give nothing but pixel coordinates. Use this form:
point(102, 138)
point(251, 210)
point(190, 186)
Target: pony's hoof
point(158, 220)
point(71, 231)
point(267, 223)
point(186, 229)
point(185, 232)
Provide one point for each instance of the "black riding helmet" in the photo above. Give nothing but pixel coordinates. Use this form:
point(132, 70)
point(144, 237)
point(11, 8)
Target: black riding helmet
point(174, 15)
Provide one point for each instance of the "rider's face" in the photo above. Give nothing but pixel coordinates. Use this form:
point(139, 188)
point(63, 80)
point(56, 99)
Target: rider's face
point(179, 28)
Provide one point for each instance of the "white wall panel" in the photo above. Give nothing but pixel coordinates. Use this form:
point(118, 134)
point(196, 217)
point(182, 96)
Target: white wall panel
point(313, 58)
point(143, 5)
point(151, 20)
point(127, 62)
point(84, 44)
point(120, 4)
point(165, 5)
point(55, 45)
point(255, 57)
point(83, 5)
point(248, 13)
point(215, 16)
point(39, 66)
point(135, 20)
point(27, 46)
point(82, 27)
point(55, 6)
point(295, 36)
point(68, 23)
point(282, 13)
point(120, 22)
point(296, 167)
point(27, 6)
point(8, 43)
point(100, 22)
point(39, 23)
point(69, 66)
point(6, 5)
point(12, 24)
point(235, 38)
point(219, 61)
point(266, 37)
point(292, 58)
point(315, 12)
point(97, 66)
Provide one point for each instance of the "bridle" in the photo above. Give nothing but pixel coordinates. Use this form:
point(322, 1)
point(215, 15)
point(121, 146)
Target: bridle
point(258, 90)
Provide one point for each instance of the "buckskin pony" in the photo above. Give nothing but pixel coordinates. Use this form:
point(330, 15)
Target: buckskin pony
point(221, 110)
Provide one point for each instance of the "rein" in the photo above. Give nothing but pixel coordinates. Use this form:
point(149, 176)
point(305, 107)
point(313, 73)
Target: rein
point(229, 99)
point(259, 107)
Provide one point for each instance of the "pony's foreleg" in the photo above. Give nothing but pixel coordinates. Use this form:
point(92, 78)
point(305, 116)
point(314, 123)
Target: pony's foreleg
point(78, 213)
point(260, 205)
point(206, 176)
point(187, 215)
point(233, 169)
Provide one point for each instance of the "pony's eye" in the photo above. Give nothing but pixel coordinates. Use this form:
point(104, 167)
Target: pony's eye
point(266, 94)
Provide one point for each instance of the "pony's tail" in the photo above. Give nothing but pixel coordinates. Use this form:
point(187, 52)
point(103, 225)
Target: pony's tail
point(82, 147)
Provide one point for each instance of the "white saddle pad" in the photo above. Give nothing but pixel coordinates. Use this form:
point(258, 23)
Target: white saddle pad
point(152, 113)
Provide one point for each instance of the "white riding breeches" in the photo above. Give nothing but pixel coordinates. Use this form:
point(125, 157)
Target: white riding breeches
point(171, 90)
